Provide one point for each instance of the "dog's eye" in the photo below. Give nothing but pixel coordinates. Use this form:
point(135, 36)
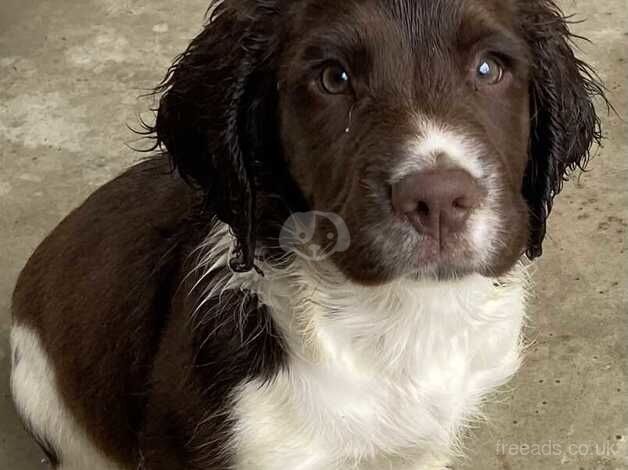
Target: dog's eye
point(489, 71)
point(335, 80)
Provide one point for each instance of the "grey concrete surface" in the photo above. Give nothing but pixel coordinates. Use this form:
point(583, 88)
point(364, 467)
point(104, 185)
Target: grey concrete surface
point(70, 75)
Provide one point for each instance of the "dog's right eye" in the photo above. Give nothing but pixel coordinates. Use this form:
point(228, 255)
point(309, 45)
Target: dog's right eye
point(489, 71)
point(335, 80)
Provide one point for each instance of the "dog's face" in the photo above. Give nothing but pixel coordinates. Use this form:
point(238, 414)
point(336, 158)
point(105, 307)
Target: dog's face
point(397, 116)
point(438, 131)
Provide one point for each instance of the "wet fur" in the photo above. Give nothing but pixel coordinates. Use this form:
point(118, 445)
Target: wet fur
point(180, 333)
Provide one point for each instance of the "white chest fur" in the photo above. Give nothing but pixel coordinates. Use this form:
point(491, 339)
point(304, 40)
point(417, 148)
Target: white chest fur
point(377, 378)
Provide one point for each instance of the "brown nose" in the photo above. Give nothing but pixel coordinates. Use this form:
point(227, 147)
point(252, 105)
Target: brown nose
point(437, 202)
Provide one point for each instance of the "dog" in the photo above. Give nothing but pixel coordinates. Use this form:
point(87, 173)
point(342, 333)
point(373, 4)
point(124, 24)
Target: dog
point(322, 265)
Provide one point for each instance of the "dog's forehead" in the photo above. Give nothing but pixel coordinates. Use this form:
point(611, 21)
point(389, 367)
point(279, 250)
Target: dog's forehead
point(403, 47)
point(416, 18)
point(400, 37)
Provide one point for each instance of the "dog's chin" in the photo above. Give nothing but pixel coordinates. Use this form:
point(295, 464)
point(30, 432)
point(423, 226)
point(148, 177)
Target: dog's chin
point(439, 272)
point(445, 266)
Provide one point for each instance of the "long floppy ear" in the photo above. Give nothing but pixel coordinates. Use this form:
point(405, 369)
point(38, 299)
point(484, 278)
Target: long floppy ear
point(564, 120)
point(214, 113)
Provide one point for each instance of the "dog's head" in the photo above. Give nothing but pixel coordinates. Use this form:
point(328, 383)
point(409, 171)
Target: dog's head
point(439, 131)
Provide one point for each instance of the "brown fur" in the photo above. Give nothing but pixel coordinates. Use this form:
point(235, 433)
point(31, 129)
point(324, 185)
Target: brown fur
point(244, 121)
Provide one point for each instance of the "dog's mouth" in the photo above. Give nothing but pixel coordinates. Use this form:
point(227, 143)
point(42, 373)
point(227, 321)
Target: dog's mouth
point(442, 264)
point(441, 273)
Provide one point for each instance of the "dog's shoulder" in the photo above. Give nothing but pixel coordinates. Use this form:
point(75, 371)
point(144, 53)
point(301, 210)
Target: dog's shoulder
point(95, 296)
point(118, 231)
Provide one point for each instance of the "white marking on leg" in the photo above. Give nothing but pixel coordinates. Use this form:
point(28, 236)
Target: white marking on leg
point(34, 389)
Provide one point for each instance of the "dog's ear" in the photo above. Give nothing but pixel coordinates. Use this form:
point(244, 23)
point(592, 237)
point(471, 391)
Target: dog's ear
point(216, 109)
point(564, 121)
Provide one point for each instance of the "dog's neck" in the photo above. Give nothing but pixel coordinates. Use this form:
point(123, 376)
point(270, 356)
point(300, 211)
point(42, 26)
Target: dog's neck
point(394, 327)
point(325, 317)
point(408, 362)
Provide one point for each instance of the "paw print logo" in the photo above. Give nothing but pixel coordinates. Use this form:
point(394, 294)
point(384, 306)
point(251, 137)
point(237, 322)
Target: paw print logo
point(314, 235)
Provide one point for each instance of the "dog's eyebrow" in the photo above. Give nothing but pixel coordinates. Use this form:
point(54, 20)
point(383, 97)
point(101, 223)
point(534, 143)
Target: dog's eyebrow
point(323, 52)
point(339, 41)
point(345, 47)
point(500, 42)
point(484, 30)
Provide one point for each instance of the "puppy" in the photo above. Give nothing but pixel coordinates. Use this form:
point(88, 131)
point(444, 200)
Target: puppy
point(322, 269)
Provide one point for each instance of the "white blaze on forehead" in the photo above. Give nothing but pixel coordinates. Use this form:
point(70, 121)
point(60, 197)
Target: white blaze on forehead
point(437, 144)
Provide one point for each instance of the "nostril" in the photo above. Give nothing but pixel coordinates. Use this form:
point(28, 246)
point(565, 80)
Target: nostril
point(462, 203)
point(423, 209)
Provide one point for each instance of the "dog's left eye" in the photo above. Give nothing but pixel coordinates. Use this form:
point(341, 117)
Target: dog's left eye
point(335, 80)
point(489, 71)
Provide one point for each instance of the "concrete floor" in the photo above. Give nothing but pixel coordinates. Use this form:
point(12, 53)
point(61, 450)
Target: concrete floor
point(70, 75)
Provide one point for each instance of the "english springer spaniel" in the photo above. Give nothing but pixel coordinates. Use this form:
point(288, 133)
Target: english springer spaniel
point(322, 270)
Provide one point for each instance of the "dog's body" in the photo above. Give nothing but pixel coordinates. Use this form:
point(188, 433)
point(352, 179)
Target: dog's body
point(387, 382)
point(165, 326)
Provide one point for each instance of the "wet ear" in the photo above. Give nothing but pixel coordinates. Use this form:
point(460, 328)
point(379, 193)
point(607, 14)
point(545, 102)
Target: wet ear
point(213, 97)
point(564, 121)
